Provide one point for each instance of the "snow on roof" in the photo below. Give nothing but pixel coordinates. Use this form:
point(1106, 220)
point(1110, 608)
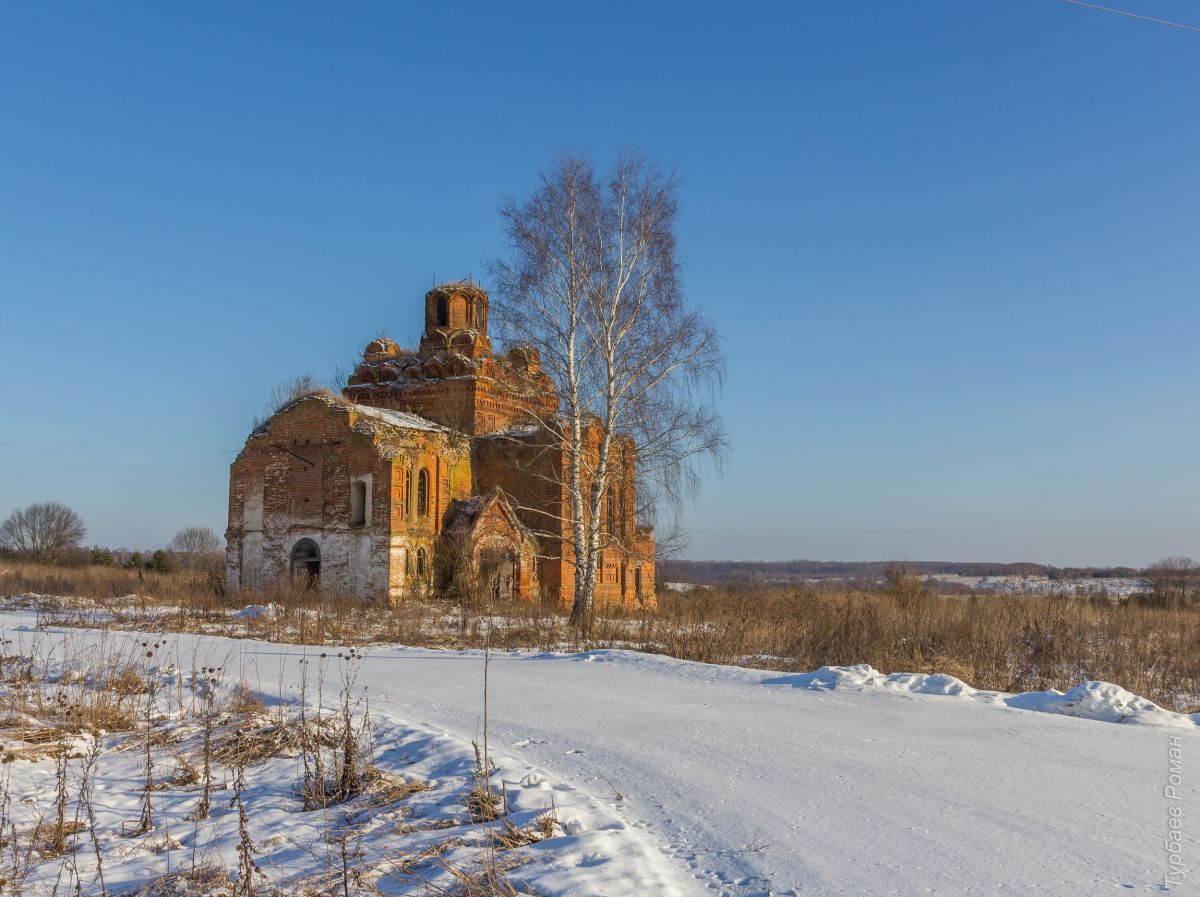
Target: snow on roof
point(518, 431)
point(401, 419)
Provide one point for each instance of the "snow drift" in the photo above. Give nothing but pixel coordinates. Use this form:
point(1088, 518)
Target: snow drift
point(1092, 700)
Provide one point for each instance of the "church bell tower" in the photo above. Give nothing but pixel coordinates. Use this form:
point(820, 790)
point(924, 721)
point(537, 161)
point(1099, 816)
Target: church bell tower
point(456, 320)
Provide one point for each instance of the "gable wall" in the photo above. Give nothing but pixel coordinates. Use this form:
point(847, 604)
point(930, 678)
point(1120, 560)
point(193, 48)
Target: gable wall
point(295, 481)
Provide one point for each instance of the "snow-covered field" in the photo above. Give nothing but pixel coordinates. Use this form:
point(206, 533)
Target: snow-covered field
point(663, 777)
point(1006, 585)
point(1040, 585)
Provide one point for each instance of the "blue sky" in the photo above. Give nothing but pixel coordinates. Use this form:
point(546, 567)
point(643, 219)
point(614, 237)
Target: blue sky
point(952, 246)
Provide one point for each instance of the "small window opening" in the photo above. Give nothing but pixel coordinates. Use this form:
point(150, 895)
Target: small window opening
point(358, 503)
point(420, 562)
point(443, 311)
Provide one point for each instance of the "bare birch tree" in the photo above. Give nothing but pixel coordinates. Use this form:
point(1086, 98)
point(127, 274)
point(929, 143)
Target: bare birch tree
point(591, 280)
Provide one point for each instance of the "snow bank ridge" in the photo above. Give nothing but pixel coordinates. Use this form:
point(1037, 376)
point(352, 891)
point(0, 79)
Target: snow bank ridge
point(1093, 700)
point(257, 612)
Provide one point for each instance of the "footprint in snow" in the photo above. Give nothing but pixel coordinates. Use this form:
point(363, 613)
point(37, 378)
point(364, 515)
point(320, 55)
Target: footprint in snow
point(574, 752)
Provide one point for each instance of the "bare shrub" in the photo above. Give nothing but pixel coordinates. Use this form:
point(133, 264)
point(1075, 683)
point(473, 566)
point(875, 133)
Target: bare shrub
point(206, 683)
point(245, 884)
point(197, 548)
point(336, 749)
point(904, 584)
point(284, 393)
point(146, 820)
point(1173, 581)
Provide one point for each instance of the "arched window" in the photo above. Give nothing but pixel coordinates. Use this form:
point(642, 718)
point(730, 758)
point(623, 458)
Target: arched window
point(420, 562)
point(423, 492)
point(443, 311)
point(612, 510)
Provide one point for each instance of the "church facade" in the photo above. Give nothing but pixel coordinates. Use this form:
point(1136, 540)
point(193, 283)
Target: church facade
point(431, 461)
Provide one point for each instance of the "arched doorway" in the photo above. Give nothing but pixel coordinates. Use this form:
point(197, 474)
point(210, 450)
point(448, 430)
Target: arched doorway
point(498, 571)
point(306, 562)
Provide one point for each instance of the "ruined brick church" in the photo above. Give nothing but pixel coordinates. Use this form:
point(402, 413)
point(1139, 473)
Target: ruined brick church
point(429, 459)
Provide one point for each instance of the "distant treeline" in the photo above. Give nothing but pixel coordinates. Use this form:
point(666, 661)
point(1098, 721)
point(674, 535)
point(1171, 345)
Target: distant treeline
point(717, 572)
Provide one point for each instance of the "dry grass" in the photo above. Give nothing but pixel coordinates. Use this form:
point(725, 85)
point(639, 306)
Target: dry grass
point(512, 837)
point(208, 879)
point(50, 841)
point(245, 702)
point(185, 774)
point(997, 642)
point(489, 878)
point(37, 711)
point(382, 789)
point(50, 690)
point(254, 743)
point(483, 804)
point(428, 825)
point(993, 642)
point(128, 681)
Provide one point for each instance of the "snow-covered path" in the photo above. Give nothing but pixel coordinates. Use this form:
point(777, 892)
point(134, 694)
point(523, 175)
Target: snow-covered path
point(764, 788)
point(755, 783)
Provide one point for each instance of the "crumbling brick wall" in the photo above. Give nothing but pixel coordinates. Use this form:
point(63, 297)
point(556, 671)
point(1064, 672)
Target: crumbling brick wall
point(295, 480)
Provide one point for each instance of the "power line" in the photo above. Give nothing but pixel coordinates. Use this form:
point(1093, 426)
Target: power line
point(1133, 15)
